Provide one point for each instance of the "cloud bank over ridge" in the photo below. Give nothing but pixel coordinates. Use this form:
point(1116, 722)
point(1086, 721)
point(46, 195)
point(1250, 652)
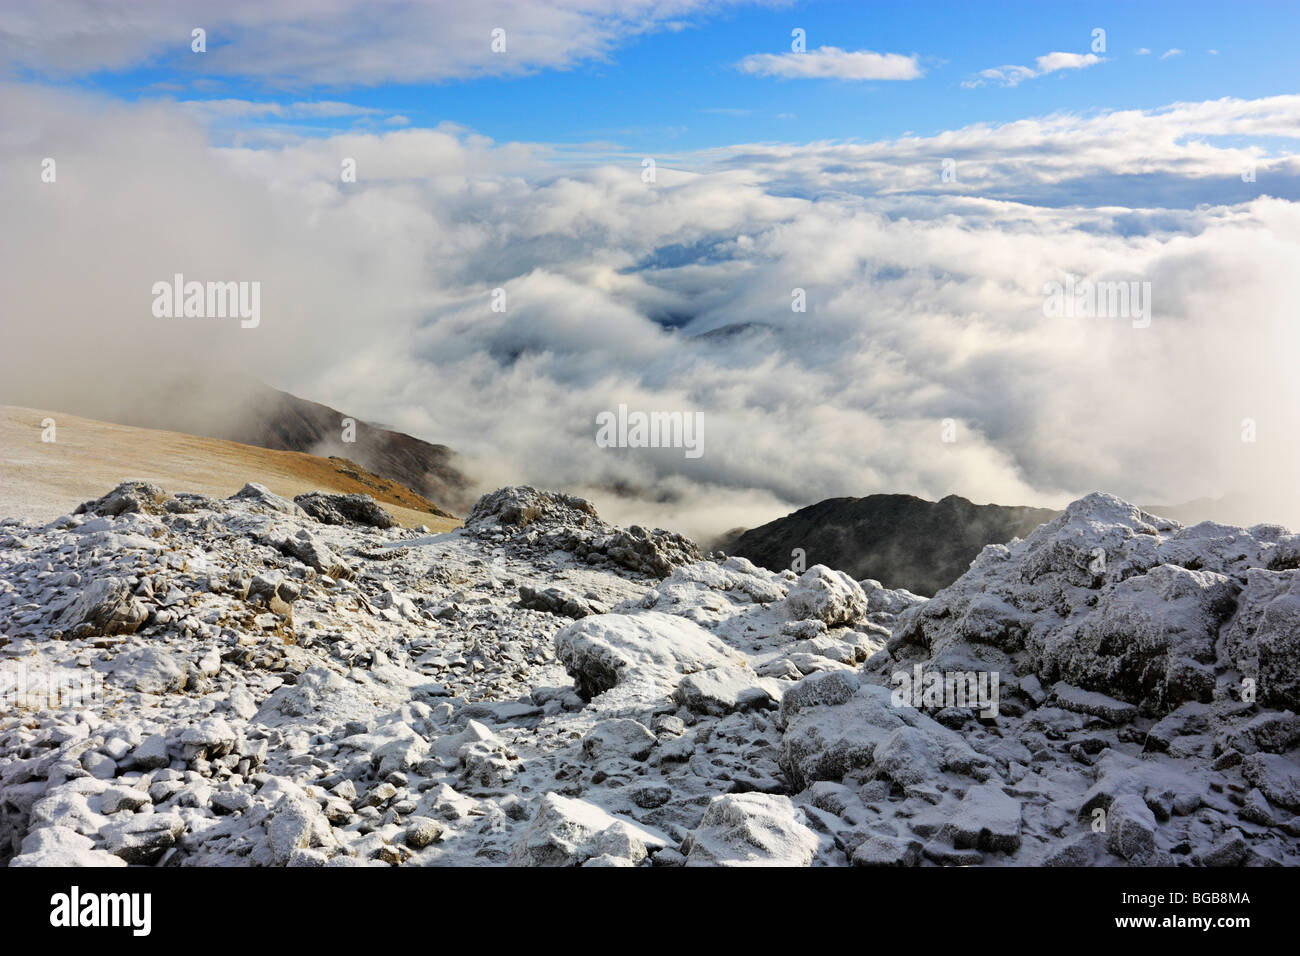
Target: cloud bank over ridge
point(924, 298)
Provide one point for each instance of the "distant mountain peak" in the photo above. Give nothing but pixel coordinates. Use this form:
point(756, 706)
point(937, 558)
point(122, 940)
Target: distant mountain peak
point(898, 539)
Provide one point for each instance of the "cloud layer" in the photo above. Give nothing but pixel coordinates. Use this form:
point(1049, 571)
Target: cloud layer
point(328, 42)
point(830, 62)
point(1048, 63)
point(924, 296)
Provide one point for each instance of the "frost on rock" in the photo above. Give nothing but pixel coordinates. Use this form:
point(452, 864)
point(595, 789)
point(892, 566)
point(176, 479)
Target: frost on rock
point(750, 829)
point(262, 497)
point(105, 607)
point(520, 508)
point(569, 832)
point(345, 509)
point(312, 552)
point(558, 601)
point(721, 690)
point(250, 681)
point(1115, 600)
point(541, 521)
point(829, 736)
point(127, 498)
point(831, 597)
point(647, 649)
point(60, 846)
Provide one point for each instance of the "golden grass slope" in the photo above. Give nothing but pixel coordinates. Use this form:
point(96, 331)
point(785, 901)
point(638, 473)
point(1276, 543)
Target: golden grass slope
point(40, 481)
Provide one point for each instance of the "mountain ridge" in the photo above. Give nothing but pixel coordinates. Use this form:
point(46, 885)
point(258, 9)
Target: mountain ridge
point(238, 407)
point(901, 540)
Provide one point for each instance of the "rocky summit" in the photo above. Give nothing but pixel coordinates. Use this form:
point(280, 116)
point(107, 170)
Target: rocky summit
point(257, 681)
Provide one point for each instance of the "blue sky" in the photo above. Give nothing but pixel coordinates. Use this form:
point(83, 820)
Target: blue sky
point(678, 87)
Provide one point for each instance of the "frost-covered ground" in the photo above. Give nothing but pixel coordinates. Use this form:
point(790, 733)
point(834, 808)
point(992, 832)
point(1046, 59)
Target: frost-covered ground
point(268, 688)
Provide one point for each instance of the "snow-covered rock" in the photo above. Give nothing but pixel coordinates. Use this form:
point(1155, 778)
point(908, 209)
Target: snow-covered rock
point(239, 682)
point(61, 846)
point(1115, 600)
point(750, 829)
point(535, 520)
point(721, 690)
point(829, 596)
point(569, 832)
point(651, 650)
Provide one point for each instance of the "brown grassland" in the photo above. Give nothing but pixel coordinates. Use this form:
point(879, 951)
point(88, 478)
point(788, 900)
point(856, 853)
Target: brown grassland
point(40, 481)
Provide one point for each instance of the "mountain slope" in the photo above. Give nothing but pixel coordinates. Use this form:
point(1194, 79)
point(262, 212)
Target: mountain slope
point(220, 402)
point(278, 420)
point(900, 540)
point(42, 480)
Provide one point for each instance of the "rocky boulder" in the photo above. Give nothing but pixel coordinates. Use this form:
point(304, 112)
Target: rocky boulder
point(831, 597)
point(541, 520)
point(105, 606)
point(130, 497)
point(263, 497)
point(1112, 599)
point(518, 507)
point(750, 829)
point(345, 509)
point(650, 650)
point(572, 832)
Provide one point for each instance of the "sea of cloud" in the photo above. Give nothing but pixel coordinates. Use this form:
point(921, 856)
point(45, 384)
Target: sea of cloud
point(924, 298)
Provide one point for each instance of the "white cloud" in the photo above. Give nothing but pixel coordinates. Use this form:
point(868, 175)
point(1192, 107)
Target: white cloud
point(345, 42)
point(924, 298)
point(1002, 75)
point(830, 62)
point(1142, 51)
point(331, 109)
point(256, 109)
point(1066, 61)
point(1135, 157)
point(1168, 53)
point(1048, 63)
